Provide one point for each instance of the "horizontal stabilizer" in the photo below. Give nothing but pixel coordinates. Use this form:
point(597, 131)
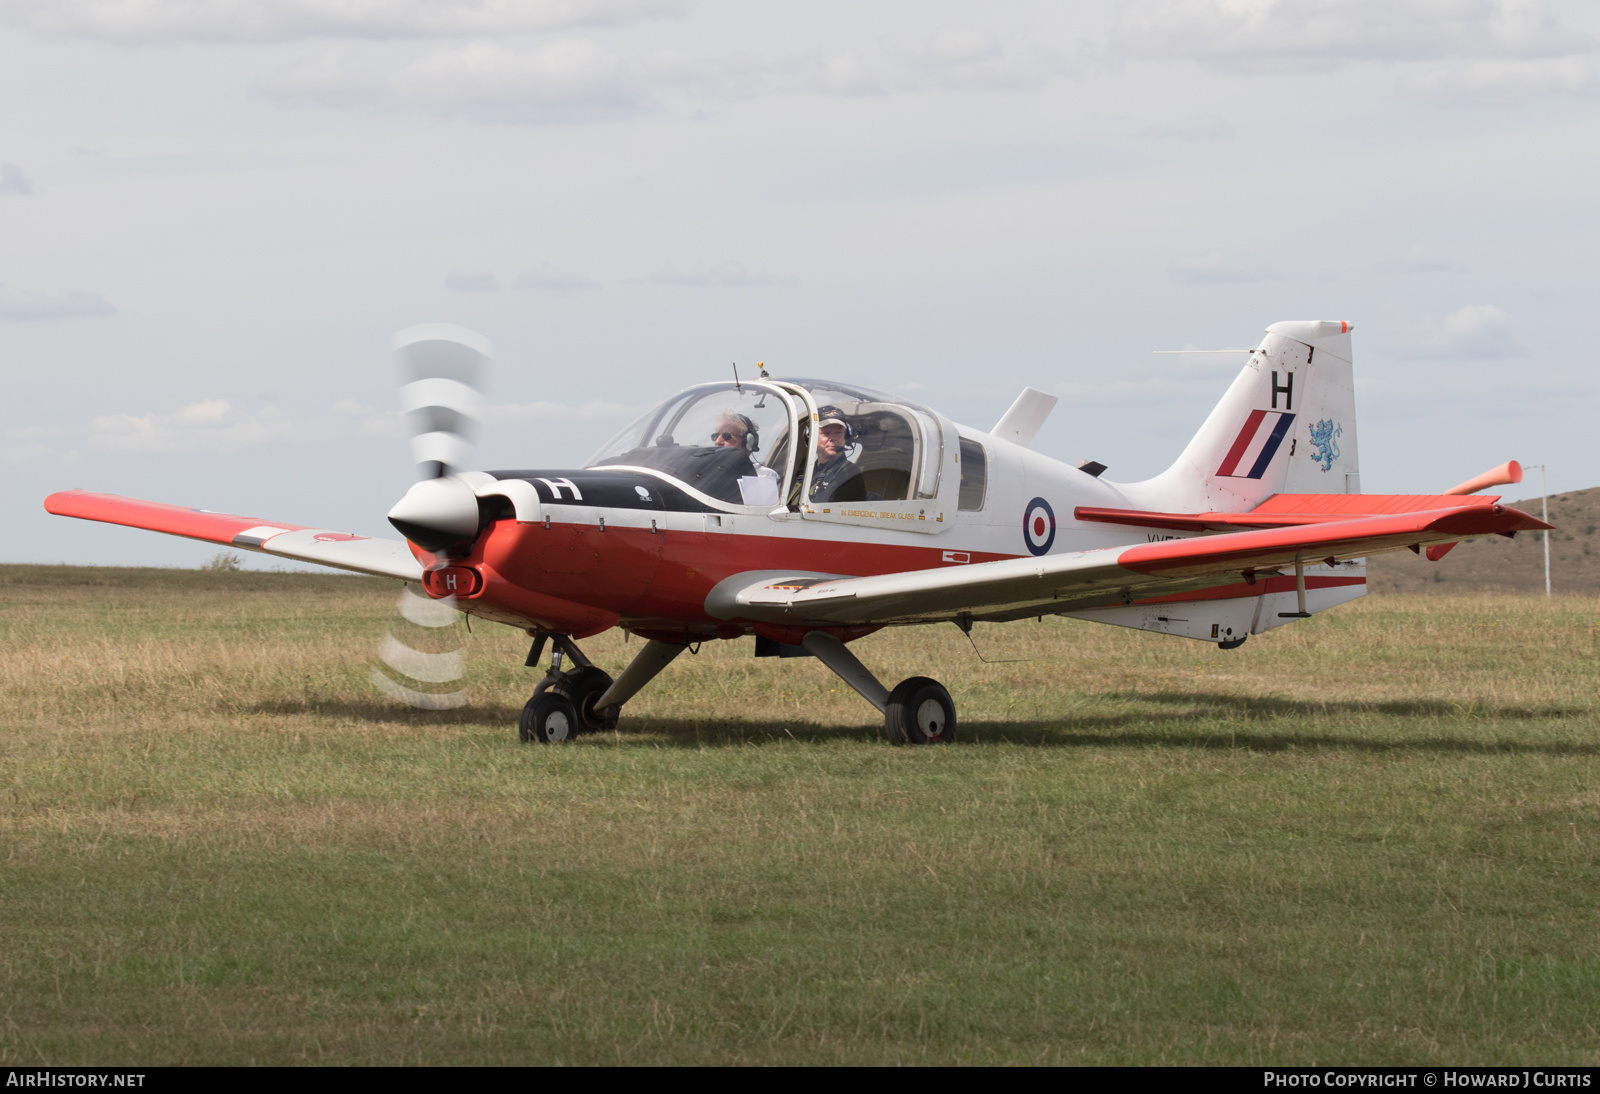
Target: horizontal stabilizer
point(340, 550)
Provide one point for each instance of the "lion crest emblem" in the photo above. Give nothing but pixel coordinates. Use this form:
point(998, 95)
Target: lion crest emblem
point(1324, 443)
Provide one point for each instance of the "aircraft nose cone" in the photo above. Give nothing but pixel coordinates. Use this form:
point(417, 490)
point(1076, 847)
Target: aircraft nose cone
point(436, 513)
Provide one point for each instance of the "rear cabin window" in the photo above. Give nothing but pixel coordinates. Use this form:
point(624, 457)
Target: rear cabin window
point(974, 475)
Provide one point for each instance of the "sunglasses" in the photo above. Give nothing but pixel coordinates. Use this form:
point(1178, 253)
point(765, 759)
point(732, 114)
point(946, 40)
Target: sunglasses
point(727, 436)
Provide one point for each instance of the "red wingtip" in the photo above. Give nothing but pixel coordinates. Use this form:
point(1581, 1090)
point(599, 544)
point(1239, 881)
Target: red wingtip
point(1508, 472)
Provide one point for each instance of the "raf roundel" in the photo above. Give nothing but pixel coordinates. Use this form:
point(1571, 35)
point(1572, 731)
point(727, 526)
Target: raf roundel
point(1038, 526)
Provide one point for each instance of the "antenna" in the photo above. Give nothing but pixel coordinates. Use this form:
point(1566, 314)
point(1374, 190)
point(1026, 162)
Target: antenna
point(736, 386)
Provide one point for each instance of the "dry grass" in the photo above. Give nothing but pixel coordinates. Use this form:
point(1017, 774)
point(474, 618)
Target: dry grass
point(1365, 838)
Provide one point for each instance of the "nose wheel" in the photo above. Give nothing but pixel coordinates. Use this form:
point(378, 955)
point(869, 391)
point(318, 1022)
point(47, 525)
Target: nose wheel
point(564, 706)
point(563, 703)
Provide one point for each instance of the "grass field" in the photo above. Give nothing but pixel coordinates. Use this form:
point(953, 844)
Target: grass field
point(1367, 838)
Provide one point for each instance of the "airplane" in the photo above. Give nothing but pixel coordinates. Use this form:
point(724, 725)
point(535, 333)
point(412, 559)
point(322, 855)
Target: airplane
point(810, 513)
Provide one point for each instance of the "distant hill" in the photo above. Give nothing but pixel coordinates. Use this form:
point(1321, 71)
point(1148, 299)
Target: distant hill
point(1497, 564)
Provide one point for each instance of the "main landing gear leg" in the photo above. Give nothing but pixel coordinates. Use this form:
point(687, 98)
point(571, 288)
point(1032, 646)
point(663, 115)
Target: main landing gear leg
point(917, 711)
point(640, 671)
point(563, 703)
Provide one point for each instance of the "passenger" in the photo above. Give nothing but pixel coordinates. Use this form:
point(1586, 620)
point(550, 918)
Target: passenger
point(734, 430)
point(835, 477)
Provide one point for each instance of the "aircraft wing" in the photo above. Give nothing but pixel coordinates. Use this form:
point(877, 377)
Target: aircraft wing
point(364, 555)
point(1018, 587)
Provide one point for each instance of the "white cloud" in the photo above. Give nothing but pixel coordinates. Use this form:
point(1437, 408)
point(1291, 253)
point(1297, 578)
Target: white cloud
point(725, 275)
point(368, 421)
point(554, 281)
point(1263, 35)
point(13, 181)
point(573, 79)
point(1213, 268)
point(1201, 127)
point(593, 410)
point(28, 304)
point(473, 283)
point(211, 426)
point(1422, 259)
point(291, 20)
point(1125, 392)
point(570, 80)
point(1480, 331)
point(1500, 82)
point(946, 59)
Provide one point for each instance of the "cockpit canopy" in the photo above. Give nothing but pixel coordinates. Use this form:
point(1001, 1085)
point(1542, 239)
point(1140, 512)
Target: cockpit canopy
point(735, 443)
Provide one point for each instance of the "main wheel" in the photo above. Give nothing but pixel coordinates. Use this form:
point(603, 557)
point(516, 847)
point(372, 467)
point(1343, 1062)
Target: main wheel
point(583, 688)
point(920, 712)
point(549, 718)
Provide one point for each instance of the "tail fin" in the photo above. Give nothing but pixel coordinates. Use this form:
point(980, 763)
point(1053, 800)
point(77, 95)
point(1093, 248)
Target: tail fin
point(1286, 425)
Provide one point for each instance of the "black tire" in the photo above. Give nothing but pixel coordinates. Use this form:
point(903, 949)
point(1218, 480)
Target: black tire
point(920, 712)
point(583, 687)
point(549, 718)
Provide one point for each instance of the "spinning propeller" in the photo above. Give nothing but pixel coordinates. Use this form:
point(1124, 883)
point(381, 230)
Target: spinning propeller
point(443, 369)
point(444, 366)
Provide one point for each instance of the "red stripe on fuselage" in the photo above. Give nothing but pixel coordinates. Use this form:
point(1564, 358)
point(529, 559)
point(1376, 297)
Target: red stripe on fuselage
point(664, 576)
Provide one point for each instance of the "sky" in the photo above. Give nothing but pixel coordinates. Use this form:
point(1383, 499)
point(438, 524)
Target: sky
point(214, 216)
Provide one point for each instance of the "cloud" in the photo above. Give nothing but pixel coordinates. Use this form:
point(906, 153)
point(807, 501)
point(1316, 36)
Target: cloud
point(570, 80)
point(13, 181)
point(1421, 259)
point(1500, 82)
point(1272, 35)
point(1203, 127)
point(1150, 391)
point(1210, 268)
point(554, 281)
point(473, 283)
point(157, 21)
point(593, 410)
point(574, 80)
point(211, 426)
point(28, 304)
point(945, 59)
point(1480, 331)
point(726, 275)
point(368, 421)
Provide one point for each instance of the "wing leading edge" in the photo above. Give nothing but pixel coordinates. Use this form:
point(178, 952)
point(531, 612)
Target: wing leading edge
point(362, 554)
point(1014, 588)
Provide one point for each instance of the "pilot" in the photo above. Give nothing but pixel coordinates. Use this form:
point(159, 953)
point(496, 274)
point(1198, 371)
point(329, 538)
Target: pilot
point(734, 430)
point(835, 477)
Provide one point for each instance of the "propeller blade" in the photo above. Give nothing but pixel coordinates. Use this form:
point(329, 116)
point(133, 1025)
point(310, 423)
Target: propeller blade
point(444, 368)
point(426, 620)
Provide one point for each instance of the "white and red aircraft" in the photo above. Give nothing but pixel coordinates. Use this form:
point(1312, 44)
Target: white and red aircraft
point(809, 513)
